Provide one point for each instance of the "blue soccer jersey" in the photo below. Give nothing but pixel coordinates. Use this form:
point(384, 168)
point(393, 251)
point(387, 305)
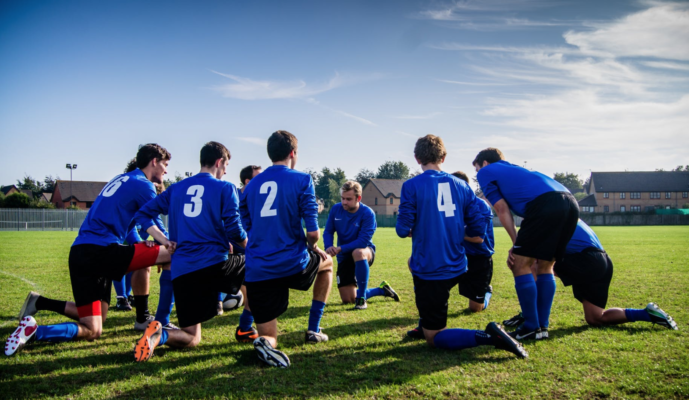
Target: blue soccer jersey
point(203, 216)
point(134, 235)
point(274, 204)
point(110, 218)
point(487, 248)
point(435, 208)
point(583, 238)
point(354, 230)
point(516, 185)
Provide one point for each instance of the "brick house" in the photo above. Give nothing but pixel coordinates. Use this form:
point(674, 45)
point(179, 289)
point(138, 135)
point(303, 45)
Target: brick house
point(83, 193)
point(383, 195)
point(11, 189)
point(635, 191)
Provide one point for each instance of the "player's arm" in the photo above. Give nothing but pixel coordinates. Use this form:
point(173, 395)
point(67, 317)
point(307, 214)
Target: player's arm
point(474, 217)
point(244, 212)
point(329, 234)
point(147, 215)
point(230, 215)
point(475, 239)
point(308, 211)
point(406, 215)
point(506, 219)
point(368, 228)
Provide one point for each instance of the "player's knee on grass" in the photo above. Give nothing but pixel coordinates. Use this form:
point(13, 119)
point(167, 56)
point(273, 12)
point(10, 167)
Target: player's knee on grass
point(430, 336)
point(475, 307)
point(194, 333)
point(593, 314)
point(348, 294)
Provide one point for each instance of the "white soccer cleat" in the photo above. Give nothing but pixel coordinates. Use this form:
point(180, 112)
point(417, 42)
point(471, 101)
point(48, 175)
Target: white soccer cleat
point(269, 355)
point(141, 326)
point(21, 336)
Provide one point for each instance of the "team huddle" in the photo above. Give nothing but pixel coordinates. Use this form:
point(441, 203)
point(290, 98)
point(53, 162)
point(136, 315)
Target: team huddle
point(249, 247)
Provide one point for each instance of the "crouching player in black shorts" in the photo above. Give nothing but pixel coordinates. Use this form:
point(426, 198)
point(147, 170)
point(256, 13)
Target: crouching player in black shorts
point(588, 269)
point(98, 257)
point(279, 257)
point(437, 210)
point(550, 215)
point(203, 212)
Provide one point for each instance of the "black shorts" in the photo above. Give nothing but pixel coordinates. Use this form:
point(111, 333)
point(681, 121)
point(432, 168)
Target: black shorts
point(196, 293)
point(549, 223)
point(431, 301)
point(589, 273)
point(475, 283)
point(92, 268)
point(345, 269)
point(269, 299)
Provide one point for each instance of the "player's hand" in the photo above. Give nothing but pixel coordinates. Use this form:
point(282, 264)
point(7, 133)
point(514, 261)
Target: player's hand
point(231, 248)
point(331, 250)
point(148, 243)
point(473, 239)
point(409, 233)
point(320, 252)
point(510, 259)
point(170, 246)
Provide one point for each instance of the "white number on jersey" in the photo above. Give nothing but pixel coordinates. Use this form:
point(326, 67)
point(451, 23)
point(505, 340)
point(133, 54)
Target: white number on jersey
point(445, 203)
point(271, 186)
point(193, 209)
point(115, 184)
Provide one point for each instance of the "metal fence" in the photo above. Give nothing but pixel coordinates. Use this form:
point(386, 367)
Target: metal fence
point(22, 219)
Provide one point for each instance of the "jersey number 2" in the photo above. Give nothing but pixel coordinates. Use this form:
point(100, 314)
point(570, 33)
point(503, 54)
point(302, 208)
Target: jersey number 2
point(272, 189)
point(445, 203)
point(193, 209)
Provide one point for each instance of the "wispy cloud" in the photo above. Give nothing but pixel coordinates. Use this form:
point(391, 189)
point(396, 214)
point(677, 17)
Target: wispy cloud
point(249, 89)
point(425, 116)
point(340, 112)
point(253, 140)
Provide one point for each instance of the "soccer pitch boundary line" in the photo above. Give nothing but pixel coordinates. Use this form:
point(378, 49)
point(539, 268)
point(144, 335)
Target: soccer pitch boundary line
point(21, 278)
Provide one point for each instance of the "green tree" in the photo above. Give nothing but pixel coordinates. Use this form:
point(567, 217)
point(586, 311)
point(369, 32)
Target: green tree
point(17, 200)
point(393, 170)
point(334, 187)
point(49, 183)
point(681, 169)
point(28, 183)
point(42, 204)
point(168, 182)
point(364, 176)
point(568, 180)
point(323, 186)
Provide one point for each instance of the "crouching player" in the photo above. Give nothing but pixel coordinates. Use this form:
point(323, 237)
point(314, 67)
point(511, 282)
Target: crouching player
point(98, 257)
point(355, 224)
point(203, 215)
point(588, 269)
point(434, 209)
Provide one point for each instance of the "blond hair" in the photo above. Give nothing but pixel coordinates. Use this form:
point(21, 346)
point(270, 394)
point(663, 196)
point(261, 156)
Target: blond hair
point(352, 185)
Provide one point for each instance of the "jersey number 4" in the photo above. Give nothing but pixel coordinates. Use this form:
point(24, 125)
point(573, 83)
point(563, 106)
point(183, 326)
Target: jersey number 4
point(271, 188)
point(193, 209)
point(445, 203)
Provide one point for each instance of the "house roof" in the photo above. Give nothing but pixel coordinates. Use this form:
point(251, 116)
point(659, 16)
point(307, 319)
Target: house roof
point(5, 189)
point(641, 181)
point(588, 201)
point(27, 192)
point(81, 190)
point(47, 196)
point(387, 187)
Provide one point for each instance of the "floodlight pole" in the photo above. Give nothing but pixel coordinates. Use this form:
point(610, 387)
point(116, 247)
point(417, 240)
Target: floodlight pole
point(70, 167)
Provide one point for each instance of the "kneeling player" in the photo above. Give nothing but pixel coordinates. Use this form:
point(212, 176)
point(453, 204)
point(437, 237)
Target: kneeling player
point(279, 257)
point(355, 224)
point(203, 212)
point(588, 269)
point(98, 257)
point(434, 209)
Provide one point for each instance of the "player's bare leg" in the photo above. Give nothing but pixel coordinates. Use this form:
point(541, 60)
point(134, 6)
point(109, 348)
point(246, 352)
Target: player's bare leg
point(348, 294)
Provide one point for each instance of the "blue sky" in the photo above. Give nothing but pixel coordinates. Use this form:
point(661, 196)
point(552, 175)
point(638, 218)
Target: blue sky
point(563, 85)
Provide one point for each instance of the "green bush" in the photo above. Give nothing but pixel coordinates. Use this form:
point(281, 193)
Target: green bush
point(17, 200)
point(42, 204)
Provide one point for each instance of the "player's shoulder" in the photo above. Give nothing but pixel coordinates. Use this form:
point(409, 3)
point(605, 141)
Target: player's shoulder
point(336, 208)
point(138, 179)
point(366, 210)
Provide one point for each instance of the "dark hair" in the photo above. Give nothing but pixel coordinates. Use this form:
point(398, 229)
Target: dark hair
point(490, 154)
point(461, 175)
point(211, 152)
point(150, 151)
point(131, 166)
point(280, 144)
point(429, 149)
point(247, 173)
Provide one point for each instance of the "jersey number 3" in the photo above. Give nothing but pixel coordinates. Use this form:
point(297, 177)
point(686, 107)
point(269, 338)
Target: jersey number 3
point(272, 189)
point(193, 209)
point(445, 203)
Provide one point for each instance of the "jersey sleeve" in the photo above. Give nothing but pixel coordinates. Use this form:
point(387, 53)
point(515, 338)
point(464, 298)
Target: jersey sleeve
point(133, 235)
point(150, 212)
point(244, 211)
point(230, 214)
point(489, 186)
point(308, 207)
point(329, 231)
point(406, 216)
point(368, 228)
point(474, 216)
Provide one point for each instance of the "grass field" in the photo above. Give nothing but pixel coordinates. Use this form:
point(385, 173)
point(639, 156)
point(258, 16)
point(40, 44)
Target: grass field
point(368, 355)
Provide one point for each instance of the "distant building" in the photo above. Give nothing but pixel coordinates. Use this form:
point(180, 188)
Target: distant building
point(635, 191)
point(383, 195)
point(11, 189)
point(83, 193)
point(45, 196)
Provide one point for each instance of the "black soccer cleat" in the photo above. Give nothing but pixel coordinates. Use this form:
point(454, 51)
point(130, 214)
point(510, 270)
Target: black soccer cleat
point(269, 355)
point(660, 317)
point(501, 340)
point(515, 321)
point(416, 333)
point(131, 301)
point(122, 304)
point(360, 304)
point(525, 334)
point(389, 291)
point(543, 334)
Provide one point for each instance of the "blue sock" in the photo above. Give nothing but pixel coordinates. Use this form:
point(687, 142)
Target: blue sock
point(486, 300)
point(247, 319)
point(64, 332)
point(361, 271)
point(120, 287)
point(128, 283)
point(528, 297)
point(163, 337)
point(546, 293)
point(166, 298)
point(221, 296)
point(315, 315)
point(483, 339)
point(374, 292)
point(455, 339)
point(634, 315)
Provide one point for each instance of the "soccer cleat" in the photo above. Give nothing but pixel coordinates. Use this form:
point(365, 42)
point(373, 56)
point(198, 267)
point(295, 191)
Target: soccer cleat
point(524, 334)
point(148, 342)
point(219, 309)
point(360, 304)
point(269, 355)
point(21, 336)
point(170, 327)
point(123, 304)
point(389, 292)
point(245, 336)
point(416, 333)
point(141, 326)
point(543, 334)
point(29, 307)
point(660, 317)
point(315, 337)
point(502, 340)
point(130, 299)
point(515, 321)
